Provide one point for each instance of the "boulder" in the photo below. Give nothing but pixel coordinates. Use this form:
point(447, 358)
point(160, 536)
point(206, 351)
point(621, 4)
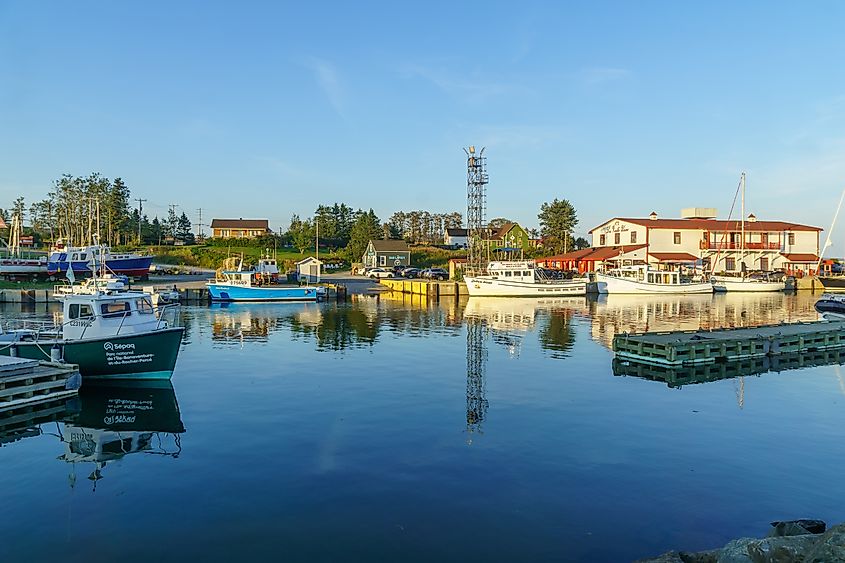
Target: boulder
point(829, 547)
point(785, 549)
point(669, 557)
point(797, 527)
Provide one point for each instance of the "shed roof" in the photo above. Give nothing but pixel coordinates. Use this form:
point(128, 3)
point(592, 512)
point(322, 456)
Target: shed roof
point(674, 256)
point(388, 245)
point(801, 257)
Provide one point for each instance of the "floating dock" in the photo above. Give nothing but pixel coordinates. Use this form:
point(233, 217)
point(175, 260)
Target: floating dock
point(429, 288)
point(24, 383)
point(686, 348)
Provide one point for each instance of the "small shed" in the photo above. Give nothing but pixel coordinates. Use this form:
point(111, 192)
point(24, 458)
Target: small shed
point(309, 270)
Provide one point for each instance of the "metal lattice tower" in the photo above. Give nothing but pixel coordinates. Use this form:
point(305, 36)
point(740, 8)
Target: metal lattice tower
point(476, 362)
point(477, 180)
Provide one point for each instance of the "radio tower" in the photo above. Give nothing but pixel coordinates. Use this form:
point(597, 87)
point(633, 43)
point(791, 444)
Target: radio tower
point(476, 209)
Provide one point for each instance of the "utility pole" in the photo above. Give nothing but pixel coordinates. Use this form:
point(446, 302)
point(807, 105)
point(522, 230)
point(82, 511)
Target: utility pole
point(200, 224)
point(140, 215)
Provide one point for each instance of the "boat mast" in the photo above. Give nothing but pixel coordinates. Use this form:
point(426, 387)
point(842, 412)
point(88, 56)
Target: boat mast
point(830, 232)
point(742, 243)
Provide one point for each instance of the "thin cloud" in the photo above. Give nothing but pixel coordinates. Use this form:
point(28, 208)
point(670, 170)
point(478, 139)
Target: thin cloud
point(328, 79)
point(596, 76)
point(461, 86)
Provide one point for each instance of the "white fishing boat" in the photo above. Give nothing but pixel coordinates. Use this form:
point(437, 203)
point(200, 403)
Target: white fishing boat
point(642, 279)
point(745, 282)
point(521, 278)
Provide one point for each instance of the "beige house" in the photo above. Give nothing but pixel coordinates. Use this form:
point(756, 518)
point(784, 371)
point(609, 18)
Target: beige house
point(701, 239)
point(239, 228)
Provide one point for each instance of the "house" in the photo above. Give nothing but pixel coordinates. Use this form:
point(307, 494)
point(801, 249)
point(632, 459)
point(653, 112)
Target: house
point(386, 253)
point(510, 235)
point(309, 270)
point(456, 238)
point(698, 240)
point(239, 228)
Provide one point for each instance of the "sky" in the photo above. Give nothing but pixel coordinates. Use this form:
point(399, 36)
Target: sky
point(263, 110)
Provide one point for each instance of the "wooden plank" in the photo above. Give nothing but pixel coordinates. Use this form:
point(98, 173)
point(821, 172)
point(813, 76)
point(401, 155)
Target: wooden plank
point(37, 399)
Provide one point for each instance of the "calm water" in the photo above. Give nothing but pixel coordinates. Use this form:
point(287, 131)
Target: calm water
point(399, 430)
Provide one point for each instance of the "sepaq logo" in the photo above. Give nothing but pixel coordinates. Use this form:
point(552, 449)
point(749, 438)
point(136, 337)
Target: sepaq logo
point(110, 347)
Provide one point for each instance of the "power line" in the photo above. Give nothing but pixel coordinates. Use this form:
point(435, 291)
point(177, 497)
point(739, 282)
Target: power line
point(140, 215)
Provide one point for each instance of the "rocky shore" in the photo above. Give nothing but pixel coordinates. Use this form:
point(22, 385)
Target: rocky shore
point(802, 541)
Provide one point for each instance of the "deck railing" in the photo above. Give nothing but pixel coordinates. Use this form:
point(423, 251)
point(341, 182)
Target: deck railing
point(716, 245)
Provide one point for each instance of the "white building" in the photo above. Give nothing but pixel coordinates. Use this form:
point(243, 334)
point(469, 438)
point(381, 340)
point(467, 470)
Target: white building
point(699, 238)
point(309, 269)
point(456, 237)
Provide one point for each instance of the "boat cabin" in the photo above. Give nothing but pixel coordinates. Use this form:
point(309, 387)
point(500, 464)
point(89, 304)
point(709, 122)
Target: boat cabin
point(518, 270)
point(645, 274)
point(99, 315)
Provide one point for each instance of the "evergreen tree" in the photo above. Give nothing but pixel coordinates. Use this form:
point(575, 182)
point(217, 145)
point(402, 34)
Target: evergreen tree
point(183, 229)
point(366, 227)
point(557, 221)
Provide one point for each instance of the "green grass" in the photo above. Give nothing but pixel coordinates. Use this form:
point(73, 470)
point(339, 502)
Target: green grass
point(27, 284)
point(213, 256)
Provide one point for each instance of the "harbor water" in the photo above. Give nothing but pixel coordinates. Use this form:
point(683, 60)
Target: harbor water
point(391, 428)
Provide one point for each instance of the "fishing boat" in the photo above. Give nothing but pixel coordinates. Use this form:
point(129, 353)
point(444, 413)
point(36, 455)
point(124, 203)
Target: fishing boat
point(14, 264)
point(745, 282)
point(109, 334)
point(79, 260)
point(521, 278)
point(257, 284)
point(642, 279)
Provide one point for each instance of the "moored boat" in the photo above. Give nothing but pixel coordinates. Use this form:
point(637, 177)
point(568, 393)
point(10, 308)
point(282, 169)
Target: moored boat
point(111, 335)
point(258, 285)
point(79, 259)
point(747, 284)
point(831, 306)
point(642, 279)
point(521, 278)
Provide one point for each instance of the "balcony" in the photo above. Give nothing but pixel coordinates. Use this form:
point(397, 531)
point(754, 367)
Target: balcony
point(715, 245)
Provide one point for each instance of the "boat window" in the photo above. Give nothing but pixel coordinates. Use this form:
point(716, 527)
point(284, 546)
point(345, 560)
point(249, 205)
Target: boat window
point(83, 256)
point(115, 309)
point(527, 273)
point(144, 307)
point(78, 311)
point(507, 274)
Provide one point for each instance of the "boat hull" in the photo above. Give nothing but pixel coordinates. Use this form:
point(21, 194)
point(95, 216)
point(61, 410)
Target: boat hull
point(613, 284)
point(22, 267)
point(747, 285)
point(133, 267)
point(224, 292)
point(487, 287)
point(832, 283)
point(143, 356)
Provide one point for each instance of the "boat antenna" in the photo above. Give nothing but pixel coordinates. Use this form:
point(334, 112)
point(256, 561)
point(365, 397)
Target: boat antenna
point(830, 232)
point(725, 232)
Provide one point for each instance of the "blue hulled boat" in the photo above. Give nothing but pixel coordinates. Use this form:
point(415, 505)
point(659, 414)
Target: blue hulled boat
point(251, 285)
point(80, 258)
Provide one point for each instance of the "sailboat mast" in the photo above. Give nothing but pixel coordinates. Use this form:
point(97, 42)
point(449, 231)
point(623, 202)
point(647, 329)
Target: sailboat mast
point(742, 244)
point(830, 232)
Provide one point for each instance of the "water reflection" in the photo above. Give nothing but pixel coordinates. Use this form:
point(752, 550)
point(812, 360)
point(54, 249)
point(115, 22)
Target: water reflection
point(615, 314)
point(114, 422)
point(27, 422)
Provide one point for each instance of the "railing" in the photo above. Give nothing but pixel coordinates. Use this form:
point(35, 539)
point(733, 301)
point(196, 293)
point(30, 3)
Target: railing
point(713, 245)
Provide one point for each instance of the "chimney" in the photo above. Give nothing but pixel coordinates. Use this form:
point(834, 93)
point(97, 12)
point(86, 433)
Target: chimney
point(752, 218)
point(653, 216)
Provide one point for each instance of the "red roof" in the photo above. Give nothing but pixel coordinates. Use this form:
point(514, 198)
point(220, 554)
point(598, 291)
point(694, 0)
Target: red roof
point(714, 225)
point(240, 224)
point(800, 257)
point(596, 254)
point(673, 256)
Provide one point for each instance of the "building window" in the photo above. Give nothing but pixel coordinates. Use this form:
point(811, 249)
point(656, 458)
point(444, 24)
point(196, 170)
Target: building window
point(791, 238)
point(616, 238)
point(382, 260)
point(677, 237)
point(764, 264)
point(601, 240)
point(730, 264)
point(633, 237)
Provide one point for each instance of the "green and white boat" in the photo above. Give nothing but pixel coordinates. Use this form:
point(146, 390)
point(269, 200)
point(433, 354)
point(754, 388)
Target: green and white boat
point(111, 334)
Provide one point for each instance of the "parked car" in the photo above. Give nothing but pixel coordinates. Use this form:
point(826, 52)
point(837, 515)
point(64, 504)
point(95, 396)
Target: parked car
point(434, 274)
point(378, 273)
point(411, 273)
point(397, 270)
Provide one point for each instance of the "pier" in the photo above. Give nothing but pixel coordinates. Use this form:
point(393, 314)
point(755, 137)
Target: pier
point(428, 288)
point(684, 348)
point(24, 383)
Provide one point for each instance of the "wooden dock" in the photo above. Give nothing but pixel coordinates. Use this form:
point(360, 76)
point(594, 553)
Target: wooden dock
point(25, 383)
point(429, 288)
point(684, 348)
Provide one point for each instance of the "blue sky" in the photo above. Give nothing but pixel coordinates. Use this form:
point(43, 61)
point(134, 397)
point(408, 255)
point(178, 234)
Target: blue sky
point(254, 109)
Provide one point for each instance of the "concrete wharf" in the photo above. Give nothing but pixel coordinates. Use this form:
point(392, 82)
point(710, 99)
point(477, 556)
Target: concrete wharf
point(24, 383)
point(683, 348)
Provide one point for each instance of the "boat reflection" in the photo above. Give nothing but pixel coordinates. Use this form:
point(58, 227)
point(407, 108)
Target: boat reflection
point(115, 421)
point(509, 320)
point(616, 314)
point(677, 377)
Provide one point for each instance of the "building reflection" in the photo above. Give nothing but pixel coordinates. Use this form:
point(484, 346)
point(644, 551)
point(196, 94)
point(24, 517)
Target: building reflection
point(616, 314)
point(116, 421)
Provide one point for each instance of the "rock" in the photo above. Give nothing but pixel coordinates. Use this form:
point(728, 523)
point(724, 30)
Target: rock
point(786, 549)
point(669, 557)
point(711, 556)
point(797, 527)
point(829, 547)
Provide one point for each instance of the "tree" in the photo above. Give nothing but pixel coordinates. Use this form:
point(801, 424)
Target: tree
point(183, 230)
point(301, 233)
point(499, 222)
point(581, 243)
point(367, 227)
point(557, 221)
